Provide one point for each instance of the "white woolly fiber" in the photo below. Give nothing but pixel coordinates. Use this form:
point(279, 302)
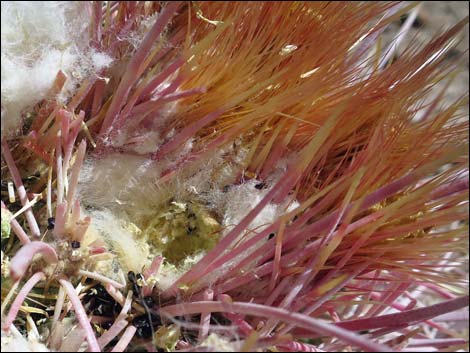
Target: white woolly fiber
point(16, 343)
point(132, 254)
point(39, 38)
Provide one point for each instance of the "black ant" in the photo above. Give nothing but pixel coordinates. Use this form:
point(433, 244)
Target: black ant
point(50, 223)
point(260, 186)
point(75, 244)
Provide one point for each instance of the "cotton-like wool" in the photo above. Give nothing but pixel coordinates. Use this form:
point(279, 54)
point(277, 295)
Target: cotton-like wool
point(17, 343)
point(241, 199)
point(38, 40)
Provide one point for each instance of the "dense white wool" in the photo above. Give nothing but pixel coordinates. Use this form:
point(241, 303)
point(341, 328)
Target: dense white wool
point(121, 183)
point(239, 200)
point(39, 38)
point(124, 182)
point(123, 239)
point(17, 343)
point(100, 60)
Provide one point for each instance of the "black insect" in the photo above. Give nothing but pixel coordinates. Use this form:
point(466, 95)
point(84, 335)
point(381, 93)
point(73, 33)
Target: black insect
point(260, 186)
point(107, 325)
point(134, 279)
point(131, 276)
point(101, 303)
point(146, 324)
point(50, 223)
point(75, 244)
